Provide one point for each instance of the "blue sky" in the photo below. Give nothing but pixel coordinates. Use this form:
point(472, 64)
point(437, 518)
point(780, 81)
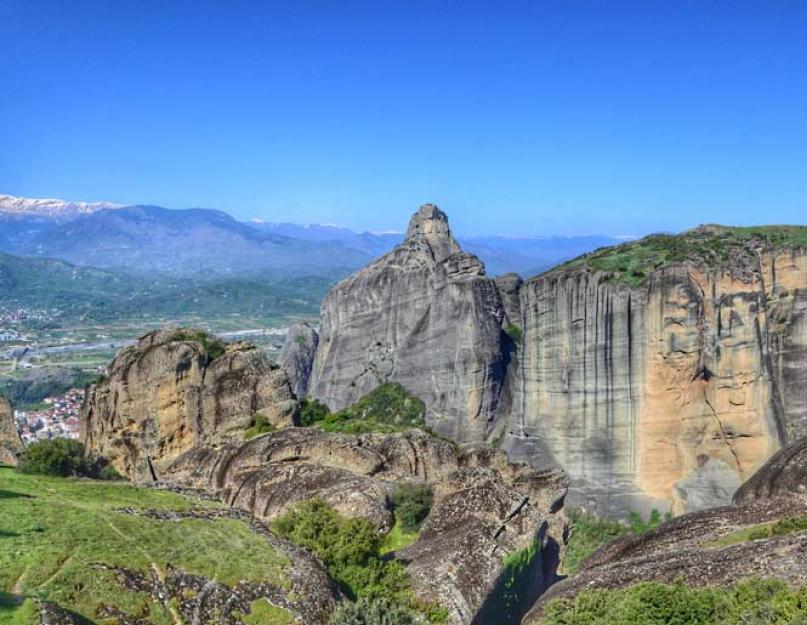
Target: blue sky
point(519, 118)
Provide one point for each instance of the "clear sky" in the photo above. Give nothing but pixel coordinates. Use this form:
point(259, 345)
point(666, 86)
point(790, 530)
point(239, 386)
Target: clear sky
point(517, 118)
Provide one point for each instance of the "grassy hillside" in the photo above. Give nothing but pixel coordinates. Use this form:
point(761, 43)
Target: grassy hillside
point(72, 542)
point(631, 263)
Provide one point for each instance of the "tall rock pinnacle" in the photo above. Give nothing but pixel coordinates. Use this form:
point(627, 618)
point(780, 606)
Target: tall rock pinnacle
point(429, 225)
point(426, 316)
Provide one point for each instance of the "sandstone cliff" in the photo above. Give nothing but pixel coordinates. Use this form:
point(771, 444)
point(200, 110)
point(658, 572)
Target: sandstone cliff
point(424, 315)
point(674, 389)
point(10, 443)
point(660, 373)
point(175, 390)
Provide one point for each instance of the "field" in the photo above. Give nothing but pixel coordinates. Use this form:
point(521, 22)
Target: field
point(66, 540)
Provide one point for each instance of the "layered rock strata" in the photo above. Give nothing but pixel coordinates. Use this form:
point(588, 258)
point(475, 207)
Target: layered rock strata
point(711, 547)
point(176, 390)
point(659, 374)
point(484, 506)
point(424, 315)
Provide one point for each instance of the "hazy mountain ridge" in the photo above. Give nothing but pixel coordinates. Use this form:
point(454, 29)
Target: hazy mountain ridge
point(207, 242)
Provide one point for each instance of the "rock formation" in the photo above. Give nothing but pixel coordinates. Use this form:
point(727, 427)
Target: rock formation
point(711, 547)
point(485, 507)
point(175, 408)
point(661, 373)
point(674, 390)
point(297, 357)
point(784, 475)
point(10, 444)
point(424, 315)
point(175, 390)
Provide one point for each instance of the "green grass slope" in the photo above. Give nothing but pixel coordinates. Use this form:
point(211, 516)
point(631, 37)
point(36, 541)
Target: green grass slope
point(631, 263)
point(60, 537)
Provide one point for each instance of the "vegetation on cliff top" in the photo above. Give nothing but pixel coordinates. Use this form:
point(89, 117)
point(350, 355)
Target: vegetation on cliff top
point(58, 535)
point(387, 408)
point(211, 346)
point(753, 602)
point(631, 263)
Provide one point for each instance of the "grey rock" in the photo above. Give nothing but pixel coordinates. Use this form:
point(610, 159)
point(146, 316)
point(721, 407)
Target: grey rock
point(10, 443)
point(424, 315)
point(297, 357)
point(784, 475)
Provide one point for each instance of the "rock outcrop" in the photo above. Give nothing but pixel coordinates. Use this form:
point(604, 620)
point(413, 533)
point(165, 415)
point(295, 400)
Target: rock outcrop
point(424, 315)
point(176, 390)
point(297, 357)
point(484, 506)
point(784, 475)
point(661, 373)
point(716, 547)
point(675, 390)
point(10, 444)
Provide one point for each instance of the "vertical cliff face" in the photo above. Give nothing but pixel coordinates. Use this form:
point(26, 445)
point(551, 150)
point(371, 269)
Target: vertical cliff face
point(675, 390)
point(10, 443)
point(659, 373)
point(424, 315)
point(176, 390)
point(297, 357)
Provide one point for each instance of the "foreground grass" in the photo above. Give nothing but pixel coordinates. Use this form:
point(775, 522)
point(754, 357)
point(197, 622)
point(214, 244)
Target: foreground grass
point(754, 602)
point(782, 527)
point(55, 531)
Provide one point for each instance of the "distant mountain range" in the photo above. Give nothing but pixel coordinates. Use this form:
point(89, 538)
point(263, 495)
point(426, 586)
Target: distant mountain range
point(210, 243)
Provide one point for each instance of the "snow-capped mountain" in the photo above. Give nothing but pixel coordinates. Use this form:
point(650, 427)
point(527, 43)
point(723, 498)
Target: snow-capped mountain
point(50, 207)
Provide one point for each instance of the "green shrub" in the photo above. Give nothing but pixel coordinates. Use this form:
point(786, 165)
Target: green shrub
point(411, 504)
point(109, 472)
point(260, 425)
point(387, 408)
point(349, 548)
point(588, 533)
point(514, 332)
point(211, 346)
point(377, 611)
point(790, 525)
point(312, 411)
point(59, 457)
point(752, 602)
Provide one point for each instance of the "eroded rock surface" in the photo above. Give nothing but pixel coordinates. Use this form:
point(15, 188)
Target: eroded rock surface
point(784, 475)
point(297, 357)
point(170, 393)
point(10, 443)
point(424, 315)
point(485, 507)
point(672, 392)
point(711, 547)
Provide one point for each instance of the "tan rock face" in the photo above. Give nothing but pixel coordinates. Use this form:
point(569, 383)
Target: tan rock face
point(665, 395)
point(672, 393)
point(165, 396)
point(10, 444)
